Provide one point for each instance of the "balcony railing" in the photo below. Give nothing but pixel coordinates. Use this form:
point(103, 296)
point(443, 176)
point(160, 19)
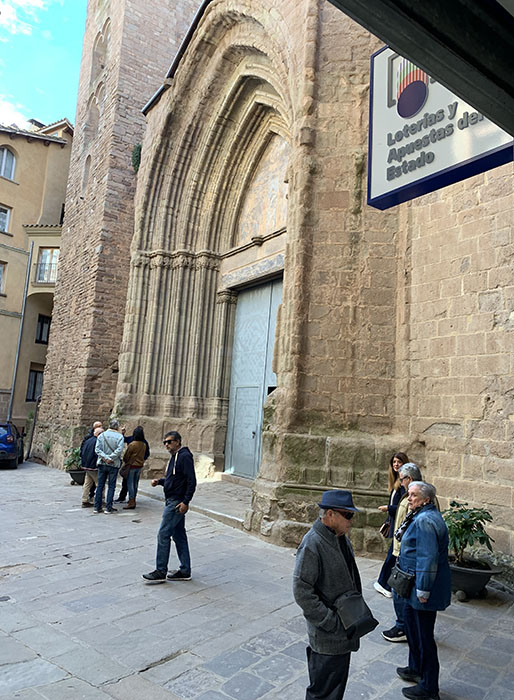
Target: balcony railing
point(46, 273)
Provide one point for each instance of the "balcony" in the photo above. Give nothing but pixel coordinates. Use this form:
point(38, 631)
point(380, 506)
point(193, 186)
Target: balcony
point(46, 273)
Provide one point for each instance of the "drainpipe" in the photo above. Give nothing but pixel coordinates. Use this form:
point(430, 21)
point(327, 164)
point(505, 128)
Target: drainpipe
point(17, 359)
point(38, 404)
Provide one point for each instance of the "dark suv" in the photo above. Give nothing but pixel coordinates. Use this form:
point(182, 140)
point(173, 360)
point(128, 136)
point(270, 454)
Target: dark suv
point(11, 445)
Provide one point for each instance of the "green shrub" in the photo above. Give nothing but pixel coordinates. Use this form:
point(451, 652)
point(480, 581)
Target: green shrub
point(466, 528)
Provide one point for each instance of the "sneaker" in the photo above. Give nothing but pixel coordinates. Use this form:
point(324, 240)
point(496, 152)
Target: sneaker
point(179, 576)
point(86, 504)
point(97, 510)
point(417, 692)
point(395, 634)
point(155, 577)
point(110, 510)
point(383, 591)
point(406, 674)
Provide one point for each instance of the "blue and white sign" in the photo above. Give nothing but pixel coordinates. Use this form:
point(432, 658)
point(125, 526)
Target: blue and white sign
point(423, 137)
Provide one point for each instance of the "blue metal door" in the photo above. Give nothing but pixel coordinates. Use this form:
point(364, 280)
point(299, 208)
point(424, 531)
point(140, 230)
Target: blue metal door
point(251, 376)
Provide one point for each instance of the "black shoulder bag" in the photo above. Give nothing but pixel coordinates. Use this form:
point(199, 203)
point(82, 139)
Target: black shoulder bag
point(401, 582)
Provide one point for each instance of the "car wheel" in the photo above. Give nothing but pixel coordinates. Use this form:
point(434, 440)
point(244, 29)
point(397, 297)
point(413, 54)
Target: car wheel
point(20, 458)
point(13, 464)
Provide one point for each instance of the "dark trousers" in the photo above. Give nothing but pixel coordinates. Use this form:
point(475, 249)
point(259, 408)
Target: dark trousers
point(387, 567)
point(419, 628)
point(327, 675)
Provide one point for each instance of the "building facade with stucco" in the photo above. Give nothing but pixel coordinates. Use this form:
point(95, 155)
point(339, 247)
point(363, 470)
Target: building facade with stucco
point(295, 336)
point(33, 175)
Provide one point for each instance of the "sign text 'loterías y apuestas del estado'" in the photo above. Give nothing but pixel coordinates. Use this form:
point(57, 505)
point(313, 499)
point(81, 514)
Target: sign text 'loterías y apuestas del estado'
point(423, 137)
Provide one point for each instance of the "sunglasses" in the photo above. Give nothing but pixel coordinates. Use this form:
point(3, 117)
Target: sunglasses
point(346, 514)
point(168, 442)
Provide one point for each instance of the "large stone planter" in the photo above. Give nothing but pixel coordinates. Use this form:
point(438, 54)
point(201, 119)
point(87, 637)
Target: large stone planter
point(470, 583)
point(77, 476)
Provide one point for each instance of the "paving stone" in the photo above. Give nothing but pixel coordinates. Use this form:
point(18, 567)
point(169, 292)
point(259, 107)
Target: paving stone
point(359, 689)
point(279, 669)
point(13, 618)
point(246, 686)
point(270, 641)
point(28, 674)
point(71, 688)
point(296, 625)
point(46, 641)
point(297, 651)
point(91, 666)
point(135, 688)
point(164, 672)
point(505, 644)
point(13, 651)
point(27, 694)
point(482, 676)
point(463, 691)
point(212, 695)
point(292, 691)
point(190, 684)
point(231, 662)
point(376, 673)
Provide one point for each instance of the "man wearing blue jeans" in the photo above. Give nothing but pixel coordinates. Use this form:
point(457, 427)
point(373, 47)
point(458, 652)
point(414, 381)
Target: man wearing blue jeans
point(179, 486)
point(109, 446)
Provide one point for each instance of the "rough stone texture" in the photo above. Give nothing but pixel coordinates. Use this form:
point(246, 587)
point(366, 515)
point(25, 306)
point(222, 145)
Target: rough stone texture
point(128, 46)
point(395, 331)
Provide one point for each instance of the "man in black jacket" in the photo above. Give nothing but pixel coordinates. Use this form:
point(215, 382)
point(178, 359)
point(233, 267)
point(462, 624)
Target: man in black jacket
point(88, 459)
point(179, 487)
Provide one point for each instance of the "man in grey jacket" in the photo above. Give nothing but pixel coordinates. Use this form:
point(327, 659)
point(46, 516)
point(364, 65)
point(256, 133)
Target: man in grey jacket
point(325, 569)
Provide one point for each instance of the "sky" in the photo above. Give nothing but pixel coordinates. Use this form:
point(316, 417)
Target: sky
point(40, 50)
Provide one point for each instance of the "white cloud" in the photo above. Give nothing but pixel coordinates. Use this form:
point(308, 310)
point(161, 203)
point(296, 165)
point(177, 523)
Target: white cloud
point(11, 114)
point(19, 16)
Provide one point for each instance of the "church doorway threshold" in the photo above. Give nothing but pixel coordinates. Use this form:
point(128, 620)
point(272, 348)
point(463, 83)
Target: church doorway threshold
point(252, 376)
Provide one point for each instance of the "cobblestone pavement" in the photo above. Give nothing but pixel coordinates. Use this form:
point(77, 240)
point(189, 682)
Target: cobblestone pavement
point(76, 620)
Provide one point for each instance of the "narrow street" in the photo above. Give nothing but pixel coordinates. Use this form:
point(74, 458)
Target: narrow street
point(77, 621)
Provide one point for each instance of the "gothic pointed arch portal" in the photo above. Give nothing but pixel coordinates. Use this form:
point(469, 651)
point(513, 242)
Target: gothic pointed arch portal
point(211, 220)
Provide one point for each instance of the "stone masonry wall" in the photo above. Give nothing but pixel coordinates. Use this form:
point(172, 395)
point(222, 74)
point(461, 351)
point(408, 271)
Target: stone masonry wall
point(458, 382)
point(331, 422)
point(128, 46)
point(400, 335)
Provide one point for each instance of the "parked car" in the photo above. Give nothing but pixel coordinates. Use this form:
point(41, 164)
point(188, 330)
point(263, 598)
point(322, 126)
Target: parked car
point(11, 445)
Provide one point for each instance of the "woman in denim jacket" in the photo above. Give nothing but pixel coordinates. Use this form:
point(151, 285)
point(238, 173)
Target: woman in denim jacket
point(424, 552)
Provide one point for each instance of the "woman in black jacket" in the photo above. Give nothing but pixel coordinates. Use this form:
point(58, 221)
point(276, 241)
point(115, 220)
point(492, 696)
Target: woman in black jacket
point(396, 492)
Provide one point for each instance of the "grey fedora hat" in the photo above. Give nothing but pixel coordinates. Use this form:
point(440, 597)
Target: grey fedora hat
point(338, 500)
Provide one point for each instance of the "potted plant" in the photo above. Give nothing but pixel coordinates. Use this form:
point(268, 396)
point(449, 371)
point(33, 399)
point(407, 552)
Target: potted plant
point(465, 529)
point(73, 465)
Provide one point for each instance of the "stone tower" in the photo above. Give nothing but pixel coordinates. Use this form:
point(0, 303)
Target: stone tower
point(128, 46)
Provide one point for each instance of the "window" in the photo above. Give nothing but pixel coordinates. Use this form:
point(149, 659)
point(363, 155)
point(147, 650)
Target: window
point(47, 265)
point(7, 163)
point(3, 269)
point(5, 215)
point(43, 329)
point(35, 385)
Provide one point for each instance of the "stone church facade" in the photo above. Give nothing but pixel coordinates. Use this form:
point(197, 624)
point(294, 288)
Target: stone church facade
point(249, 298)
